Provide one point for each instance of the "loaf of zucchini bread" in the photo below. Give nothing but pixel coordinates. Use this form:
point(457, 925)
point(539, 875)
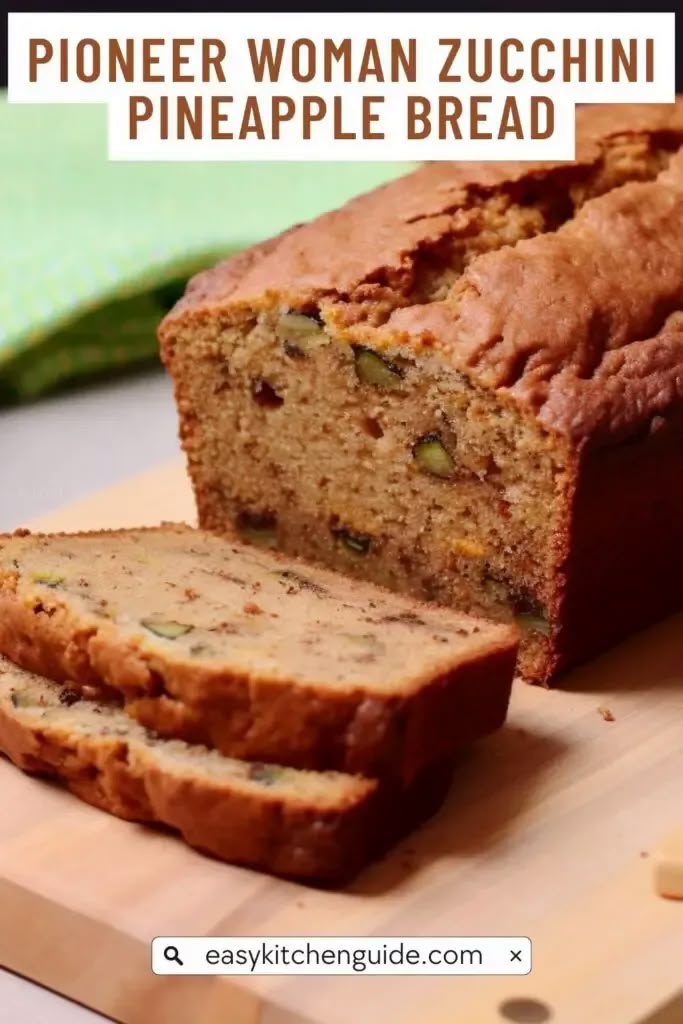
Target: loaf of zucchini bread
point(310, 826)
point(259, 656)
point(466, 385)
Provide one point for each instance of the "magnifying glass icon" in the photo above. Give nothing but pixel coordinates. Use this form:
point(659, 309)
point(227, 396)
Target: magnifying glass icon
point(173, 956)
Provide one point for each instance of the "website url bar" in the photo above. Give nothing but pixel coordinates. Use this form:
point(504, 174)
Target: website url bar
point(357, 954)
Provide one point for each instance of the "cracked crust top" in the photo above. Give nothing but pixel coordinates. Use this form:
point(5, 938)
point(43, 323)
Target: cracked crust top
point(579, 323)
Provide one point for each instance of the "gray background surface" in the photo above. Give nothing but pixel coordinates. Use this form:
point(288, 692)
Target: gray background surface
point(68, 445)
point(51, 453)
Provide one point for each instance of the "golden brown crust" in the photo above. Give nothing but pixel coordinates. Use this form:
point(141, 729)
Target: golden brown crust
point(266, 831)
point(580, 325)
point(571, 323)
point(377, 232)
point(267, 719)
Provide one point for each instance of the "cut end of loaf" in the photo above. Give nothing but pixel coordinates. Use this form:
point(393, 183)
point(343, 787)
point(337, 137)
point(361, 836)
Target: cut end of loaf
point(386, 466)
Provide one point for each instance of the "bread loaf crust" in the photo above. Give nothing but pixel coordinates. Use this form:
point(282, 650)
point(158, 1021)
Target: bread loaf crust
point(576, 328)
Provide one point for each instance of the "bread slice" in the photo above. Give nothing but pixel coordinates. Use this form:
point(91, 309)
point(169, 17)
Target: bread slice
point(319, 827)
point(257, 655)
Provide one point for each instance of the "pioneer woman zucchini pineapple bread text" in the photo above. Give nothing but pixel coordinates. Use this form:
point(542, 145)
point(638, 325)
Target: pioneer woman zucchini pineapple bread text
point(260, 656)
point(465, 385)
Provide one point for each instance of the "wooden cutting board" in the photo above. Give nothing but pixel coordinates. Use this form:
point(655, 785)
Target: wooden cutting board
point(546, 833)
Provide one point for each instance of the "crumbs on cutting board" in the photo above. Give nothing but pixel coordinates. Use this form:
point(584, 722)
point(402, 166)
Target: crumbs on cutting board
point(605, 714)
point(251, 608)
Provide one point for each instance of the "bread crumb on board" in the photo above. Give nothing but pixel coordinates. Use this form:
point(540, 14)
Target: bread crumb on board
point(251, 608)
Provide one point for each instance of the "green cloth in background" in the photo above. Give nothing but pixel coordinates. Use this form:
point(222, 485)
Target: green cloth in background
point(94, 252)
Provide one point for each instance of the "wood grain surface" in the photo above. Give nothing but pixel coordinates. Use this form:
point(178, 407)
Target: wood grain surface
point(546, 833)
